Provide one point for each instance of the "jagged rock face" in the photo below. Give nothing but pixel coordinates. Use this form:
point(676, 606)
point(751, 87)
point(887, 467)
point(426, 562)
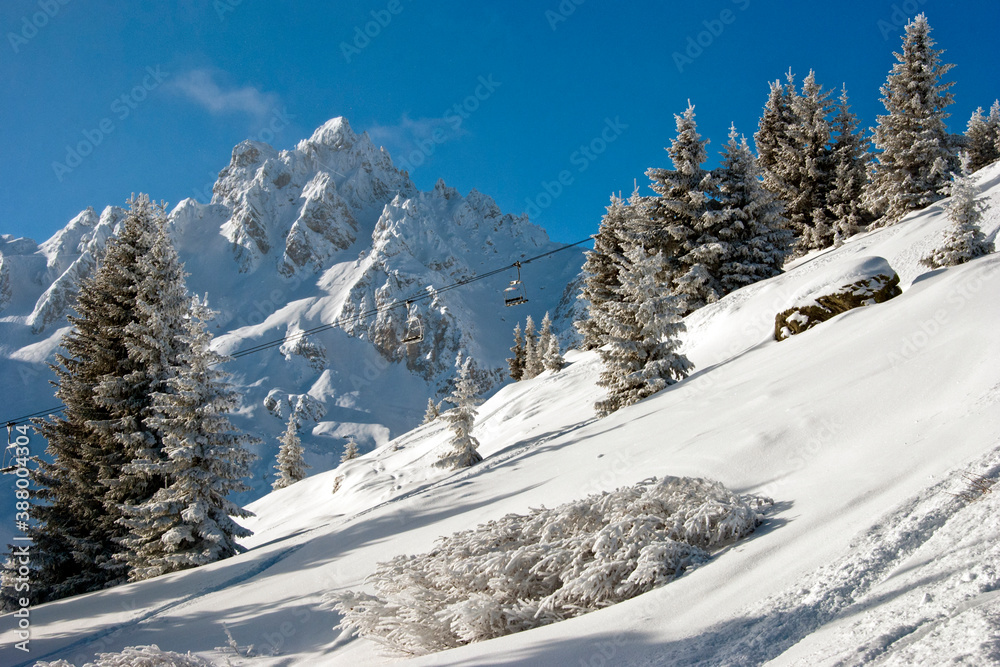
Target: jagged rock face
point(434, 238)
point(325, 225)
point(306, 200)
point(78, 248)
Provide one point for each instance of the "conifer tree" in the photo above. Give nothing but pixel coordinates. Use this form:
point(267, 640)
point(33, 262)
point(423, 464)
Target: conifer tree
point(516, 362)
point(156, 342)
point(189, 521)
point(462, 419)
point(751, 221)
point(982, 138)
point(553, 356)
point(10, 596)
point(913, 148)
point(849, 176)
point(642, 356)
point(291, 466)
point(601, 272)
point(965, 240)
point(532, 351)
point(545, 337)
point(433, 410)
point(777, 149)
point(351, 451)
point(106, 387)
point(807, 211)
point(684, 220)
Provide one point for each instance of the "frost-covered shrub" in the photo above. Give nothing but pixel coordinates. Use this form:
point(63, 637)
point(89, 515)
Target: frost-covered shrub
point(865, 292)
point(521, 572)
point(138, 656)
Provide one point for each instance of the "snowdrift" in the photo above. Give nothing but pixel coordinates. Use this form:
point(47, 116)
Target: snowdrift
point(860, 429)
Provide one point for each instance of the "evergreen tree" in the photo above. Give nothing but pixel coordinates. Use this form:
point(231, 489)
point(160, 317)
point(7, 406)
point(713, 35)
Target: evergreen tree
point(849, 175)
point(189, 521)
point(433, 410)
point(601, 272)
point(914, 152)
point(156, 343)
point(777, 150)
point(106, 387)
point(351, 451)
point(553, 356)
point(516, 362)
point(291, 466)
point(9, 595)
point(462, 419)
point(684, 220)
point(982, 138)
point(532, 351)
point(545, 337)
point(965, 240)
point(807, 212)
point(642, 355)
point(751, 223)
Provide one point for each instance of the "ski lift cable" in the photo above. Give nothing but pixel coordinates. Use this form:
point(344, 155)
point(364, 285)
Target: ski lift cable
point(358, 317)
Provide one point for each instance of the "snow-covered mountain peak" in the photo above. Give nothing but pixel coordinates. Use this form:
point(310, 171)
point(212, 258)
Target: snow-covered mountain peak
point(324, 233)
point(335, 133)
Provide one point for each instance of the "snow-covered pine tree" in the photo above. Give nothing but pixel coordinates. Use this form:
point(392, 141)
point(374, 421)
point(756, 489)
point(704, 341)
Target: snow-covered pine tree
point(106, 388)
point(849, 176)
point(433, 411)
point(532, 351)
point(751, 222)
point(982, 138)
point(290, 465)
point(545, 338)
point(600, 272)
point(553, 356)
point(189, 521)
point(807, 213)
point(351, 452)
point(683, 218)
point(156, 342)
point(965, 240)
point(642, 355)
point(515, 362)
point(913, 148)
point(10, 596)
point(776, 148)
point(462, 419)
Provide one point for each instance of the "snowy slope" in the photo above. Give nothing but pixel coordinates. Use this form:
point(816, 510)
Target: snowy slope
point(860, 429)
point(297, 239)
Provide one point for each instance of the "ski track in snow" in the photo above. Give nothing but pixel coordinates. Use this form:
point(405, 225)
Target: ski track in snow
point(911, 623)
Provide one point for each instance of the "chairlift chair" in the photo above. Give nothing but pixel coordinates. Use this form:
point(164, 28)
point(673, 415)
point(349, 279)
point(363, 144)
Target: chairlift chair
point(515, 294)
point(414, 328)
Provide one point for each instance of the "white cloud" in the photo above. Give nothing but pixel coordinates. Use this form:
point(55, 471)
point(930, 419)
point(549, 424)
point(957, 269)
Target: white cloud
point(201, 87)
point(409, 134)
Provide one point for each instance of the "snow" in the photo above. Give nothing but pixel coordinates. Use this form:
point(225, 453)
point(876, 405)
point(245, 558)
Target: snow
point(860, 429)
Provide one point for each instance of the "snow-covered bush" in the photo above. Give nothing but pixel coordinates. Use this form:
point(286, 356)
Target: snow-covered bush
point(525, 571)
point(138, 656)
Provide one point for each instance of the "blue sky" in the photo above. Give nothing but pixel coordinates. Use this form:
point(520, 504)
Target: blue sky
point(548, 106)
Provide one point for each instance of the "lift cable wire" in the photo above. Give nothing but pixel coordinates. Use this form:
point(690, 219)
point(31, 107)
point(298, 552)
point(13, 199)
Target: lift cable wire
point(427, 293)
